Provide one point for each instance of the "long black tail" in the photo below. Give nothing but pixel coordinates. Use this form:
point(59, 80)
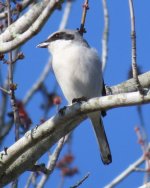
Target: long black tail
point(101, 137)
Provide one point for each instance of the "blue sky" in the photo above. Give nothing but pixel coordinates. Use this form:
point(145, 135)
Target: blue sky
point(119, 123)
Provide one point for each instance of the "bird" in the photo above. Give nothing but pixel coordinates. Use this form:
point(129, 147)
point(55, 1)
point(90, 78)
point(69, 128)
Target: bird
point(78, 71)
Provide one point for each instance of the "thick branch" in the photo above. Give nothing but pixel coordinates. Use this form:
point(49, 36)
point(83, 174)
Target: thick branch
point(21, 155)
point(18, 34)
point(24, 22)
point(23, 5)
point(130, 85)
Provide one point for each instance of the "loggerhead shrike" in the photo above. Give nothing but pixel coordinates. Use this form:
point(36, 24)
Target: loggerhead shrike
point(77, 68)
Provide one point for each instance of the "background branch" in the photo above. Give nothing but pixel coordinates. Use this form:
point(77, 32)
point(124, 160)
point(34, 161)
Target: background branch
point(24, 4)
point(105, 35)
point(16, 36)
point(133, 51)
point(52, 163)
point(125, 173)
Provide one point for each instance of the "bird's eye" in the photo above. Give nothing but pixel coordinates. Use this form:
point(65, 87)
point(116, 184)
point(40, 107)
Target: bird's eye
point(57, 35)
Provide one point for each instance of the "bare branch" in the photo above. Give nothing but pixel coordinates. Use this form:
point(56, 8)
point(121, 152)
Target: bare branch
point(38, 83)
point(12, 89)
point(66, 14)
point(24, 22)
point(85, 8)
point(105, 35)
point(23, 5)
point(19, 33)
point(40, 139)
point(52, 163)
point(3, 105)
point(130, 85)
point(125, 173)
point(146, 185)
point(11, 84)
point(4, 90)
point(81, 181)
point(5, 130)
point(133, 38)
point(30, 179)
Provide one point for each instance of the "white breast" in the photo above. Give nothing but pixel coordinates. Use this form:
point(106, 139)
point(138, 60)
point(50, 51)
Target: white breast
point(78, 71)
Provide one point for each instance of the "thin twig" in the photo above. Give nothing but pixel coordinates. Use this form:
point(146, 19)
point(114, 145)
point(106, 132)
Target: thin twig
point(12, 92)
point(126, 172)
point(61, 183)
point(4, 130)
point(38, 83)
point(29, 181)
point(6, 127)
point(52, 163)
point(11, 84)
point(3, 105)
point(5, 90)
point(142, 124)
point(81, 181)
point(140, 170)
point(133, 38)
point(24, 4)
point(85, 8)
point(105, 35)
point(144, 137)
point(66, 14)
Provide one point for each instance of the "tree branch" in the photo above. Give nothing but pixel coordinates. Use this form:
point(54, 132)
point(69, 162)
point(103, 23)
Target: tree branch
point(85, 8)
point(105, 35)
point(146, 185)
point(21, 155)
point(130, 85)
point(23, 5)
point(19, 33)
point(125, 173)
point(133, 50)
point(24, 22)
point(51, 163)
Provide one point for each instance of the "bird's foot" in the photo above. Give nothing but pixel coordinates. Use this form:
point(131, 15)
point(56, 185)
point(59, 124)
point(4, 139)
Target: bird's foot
point(62, 110)
point(103, 112)
point(108, 90)
point(79, 100)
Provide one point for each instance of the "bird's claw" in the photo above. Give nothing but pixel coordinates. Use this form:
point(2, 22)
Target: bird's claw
point(103, 112)
point(108, 90)
point(62, 111)
point(79, 100)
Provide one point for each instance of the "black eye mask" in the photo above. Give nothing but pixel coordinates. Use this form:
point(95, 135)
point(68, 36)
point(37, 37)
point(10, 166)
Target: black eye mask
point(60, 36)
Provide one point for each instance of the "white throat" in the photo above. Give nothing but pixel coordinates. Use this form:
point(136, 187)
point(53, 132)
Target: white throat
point(58, 45)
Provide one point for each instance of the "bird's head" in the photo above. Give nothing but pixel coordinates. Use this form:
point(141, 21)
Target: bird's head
point(61, 39)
